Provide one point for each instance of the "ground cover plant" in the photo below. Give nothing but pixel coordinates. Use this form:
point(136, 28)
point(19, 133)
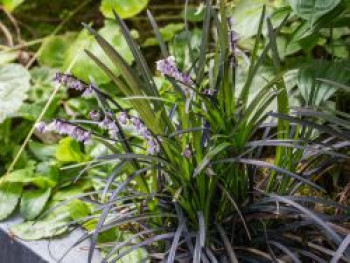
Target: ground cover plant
point(225, 155)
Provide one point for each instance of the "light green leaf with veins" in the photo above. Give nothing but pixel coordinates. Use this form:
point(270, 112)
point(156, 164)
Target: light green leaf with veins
point(33, 202)
point(14, 84)
point(312, 10)
point(9, 196)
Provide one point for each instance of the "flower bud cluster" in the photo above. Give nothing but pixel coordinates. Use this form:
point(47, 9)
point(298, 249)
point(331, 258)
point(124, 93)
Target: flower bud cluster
point(64, 128)
point(107, 122)
point(168, 67)
point(72, 82)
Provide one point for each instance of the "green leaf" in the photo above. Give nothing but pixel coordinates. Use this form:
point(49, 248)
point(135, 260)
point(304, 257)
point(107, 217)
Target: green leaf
point(247, 15)
point(72, 191)
point(68, 150)
point(168, 33)
point(41, 151)
point(78, 209)
point(52, 225)
point(33, 202)
point(316, 92)
point(180, 49)
point(10, 5)
point(194, 13)
point(14, 84)
point(312, 10)
point(124, 8)
point(83, 66)
point(54, 50)
point(28, 176)
point(9, 196)
point(210, 155)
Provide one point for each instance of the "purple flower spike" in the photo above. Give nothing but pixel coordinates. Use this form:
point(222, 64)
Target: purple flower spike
point(168, 67)
point(65, 128)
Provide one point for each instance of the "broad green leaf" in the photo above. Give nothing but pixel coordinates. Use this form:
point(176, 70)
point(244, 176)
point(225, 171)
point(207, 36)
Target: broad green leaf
point(41, 151)
point(84, 67)
point(29, 176)
point(9, 196)
point(55, 49)
point(14, 84)
point(72, 191)
point(315, 92)
point(33, 202)
point(194, 13)
point(52, 225)
point(68, 150)
point(124, 8)
point(246, 16)
point(43, 84)
point(78, 209)
point(10, 5)
point(168, 33)
point(179, 47)
point(312, 10)
point(338, 49)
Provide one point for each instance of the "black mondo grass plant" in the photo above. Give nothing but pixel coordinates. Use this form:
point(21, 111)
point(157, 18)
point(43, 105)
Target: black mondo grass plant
point(190, 180)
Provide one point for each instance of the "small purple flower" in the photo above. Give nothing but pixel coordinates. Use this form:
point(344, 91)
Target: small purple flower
point(76, 84)
point(187, 152)
point(80, 135)
point(123, 118)
point(208, 92)
point(113, 133)
point(168, 67)
point(152, 146)
point(112, 126)
point(145, 133)
point(95, 115)
point(104, 123)
point(137, 124)
point(88, 92)
point(109, 124)
point(40, 127)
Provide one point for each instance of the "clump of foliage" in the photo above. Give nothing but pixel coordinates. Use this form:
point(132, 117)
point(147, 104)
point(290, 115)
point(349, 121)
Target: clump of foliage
point(186, 164)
